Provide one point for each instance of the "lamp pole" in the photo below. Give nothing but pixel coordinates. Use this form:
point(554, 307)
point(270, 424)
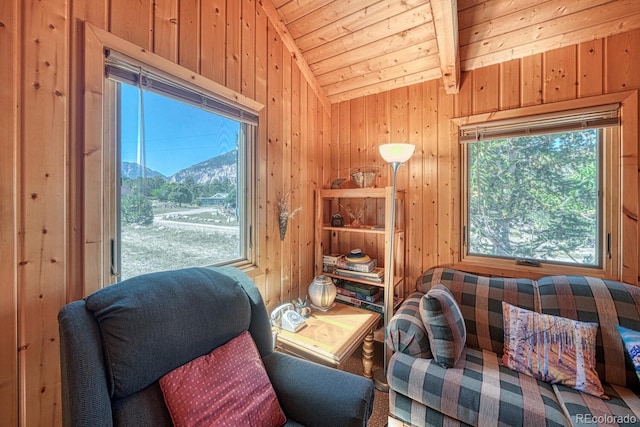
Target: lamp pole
point(395, 154)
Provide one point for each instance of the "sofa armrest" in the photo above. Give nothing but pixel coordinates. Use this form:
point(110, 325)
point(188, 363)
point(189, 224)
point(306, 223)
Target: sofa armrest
point(406, 332)
point(315, 395)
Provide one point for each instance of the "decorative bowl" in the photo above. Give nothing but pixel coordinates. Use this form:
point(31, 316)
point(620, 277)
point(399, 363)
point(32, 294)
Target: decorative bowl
point(365, 176)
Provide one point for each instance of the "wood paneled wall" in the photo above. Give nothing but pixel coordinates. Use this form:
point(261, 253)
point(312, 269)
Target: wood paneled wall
point(229, 41)
point(301, 145)
point(420, 114)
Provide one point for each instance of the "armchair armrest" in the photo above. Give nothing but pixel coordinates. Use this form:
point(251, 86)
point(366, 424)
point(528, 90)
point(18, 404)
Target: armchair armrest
point(315, 395)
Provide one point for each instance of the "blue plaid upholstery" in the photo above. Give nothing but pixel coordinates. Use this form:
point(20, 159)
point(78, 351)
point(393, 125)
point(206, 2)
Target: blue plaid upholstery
point(623, 409)
point(604, 302)
point(444, 325)
point(415, 413)
point(479, 390)
point(480, 301)
point(406, 332)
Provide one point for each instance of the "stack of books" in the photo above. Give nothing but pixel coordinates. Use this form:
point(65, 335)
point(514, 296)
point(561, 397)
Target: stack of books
point(356, 265)
point(374, 302)
point(347, 291)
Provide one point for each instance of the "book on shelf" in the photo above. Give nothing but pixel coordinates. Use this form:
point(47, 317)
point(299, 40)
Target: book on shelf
point(365, 267)
point(360, 288)
point(332, 259)
point(328, 268)
point(377, 306)
point(377, 275)
point(362, 297)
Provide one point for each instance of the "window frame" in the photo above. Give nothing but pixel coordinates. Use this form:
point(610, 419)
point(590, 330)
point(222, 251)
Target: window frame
point(616, 176)
point(98, 204)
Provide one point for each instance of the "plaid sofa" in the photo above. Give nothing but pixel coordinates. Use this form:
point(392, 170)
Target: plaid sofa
point(479, 391)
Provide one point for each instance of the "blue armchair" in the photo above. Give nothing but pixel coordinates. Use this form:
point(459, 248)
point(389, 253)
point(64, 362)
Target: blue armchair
point(116, 343)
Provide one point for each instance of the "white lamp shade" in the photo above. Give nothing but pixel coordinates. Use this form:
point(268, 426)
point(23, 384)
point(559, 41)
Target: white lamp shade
point(396, 152)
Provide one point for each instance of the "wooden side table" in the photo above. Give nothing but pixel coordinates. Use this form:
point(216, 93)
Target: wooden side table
point(331, 337)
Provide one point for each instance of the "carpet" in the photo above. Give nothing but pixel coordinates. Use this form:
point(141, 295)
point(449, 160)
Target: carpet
point(381, 402)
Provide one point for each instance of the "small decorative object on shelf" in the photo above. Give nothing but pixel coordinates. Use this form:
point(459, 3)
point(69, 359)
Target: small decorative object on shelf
point(356, 255)
point(337, 220)
point(365, 176)
point(356, 216)
point(322, 292)
point(336, 182)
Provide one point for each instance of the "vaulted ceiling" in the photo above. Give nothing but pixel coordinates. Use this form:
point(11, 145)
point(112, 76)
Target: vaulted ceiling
point(353, 48)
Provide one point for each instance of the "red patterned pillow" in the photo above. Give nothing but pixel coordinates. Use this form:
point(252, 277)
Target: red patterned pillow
point(227, 387)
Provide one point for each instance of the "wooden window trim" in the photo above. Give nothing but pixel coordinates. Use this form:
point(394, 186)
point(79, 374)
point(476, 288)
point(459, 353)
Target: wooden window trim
point(97, 228)
point(623, 265)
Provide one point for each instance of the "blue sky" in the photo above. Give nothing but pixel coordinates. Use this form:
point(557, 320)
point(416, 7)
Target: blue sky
point(177, 135)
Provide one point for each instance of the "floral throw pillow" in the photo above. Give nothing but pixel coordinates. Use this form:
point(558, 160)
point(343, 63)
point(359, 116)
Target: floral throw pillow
point(631, 340)
point(227, 387)
point(551, 349)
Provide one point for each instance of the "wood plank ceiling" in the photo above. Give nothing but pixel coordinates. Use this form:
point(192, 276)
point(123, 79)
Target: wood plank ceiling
point(361, 47)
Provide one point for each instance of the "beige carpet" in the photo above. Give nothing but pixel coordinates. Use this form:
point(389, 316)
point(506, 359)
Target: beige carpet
point(381, 402)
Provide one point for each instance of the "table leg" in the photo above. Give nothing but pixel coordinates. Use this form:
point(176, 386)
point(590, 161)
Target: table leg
point(367, 355)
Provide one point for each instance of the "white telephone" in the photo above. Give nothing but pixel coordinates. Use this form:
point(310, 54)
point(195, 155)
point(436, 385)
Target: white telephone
point(285, 317)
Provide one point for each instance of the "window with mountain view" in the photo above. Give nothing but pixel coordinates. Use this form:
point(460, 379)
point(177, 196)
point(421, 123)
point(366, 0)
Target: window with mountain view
point(183, 175)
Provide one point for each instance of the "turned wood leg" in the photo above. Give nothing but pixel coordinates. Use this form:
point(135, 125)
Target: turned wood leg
point(367, 355)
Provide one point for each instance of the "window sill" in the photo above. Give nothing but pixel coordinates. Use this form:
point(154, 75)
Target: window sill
point(508, 268)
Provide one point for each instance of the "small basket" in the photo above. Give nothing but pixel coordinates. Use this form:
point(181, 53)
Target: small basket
point(365, 176)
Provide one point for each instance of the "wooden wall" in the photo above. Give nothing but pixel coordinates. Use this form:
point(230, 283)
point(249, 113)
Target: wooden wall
point(301, 144)
point(229, 41)
point(420, 114)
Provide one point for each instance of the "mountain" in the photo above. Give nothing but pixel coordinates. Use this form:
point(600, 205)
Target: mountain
point(133, 170)
point(219, 168)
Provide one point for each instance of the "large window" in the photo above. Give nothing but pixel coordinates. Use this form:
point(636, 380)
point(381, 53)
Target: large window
point(182, 163)
point(538, 189)
point(536, 198)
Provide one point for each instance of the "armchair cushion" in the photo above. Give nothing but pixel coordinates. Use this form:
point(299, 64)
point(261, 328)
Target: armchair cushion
point(227, 386)
point(146, 321)
point(316, 396)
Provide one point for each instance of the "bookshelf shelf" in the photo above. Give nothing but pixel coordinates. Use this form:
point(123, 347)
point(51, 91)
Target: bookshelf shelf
point(372, 237)
point(396, 280)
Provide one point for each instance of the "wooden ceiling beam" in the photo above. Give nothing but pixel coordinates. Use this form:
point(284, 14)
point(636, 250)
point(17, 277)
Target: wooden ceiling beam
point(273, 16)
point(445, 19)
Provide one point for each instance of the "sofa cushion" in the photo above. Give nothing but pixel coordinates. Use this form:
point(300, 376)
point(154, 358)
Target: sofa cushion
point(607, 303)
point(477, 391)
point(444, 325)
point(406, 332)
point(143, 332)
point(416, 414)
point(622, 409)
point(480, 301)
point(551, 348)
point(228, 386)
point(631, 340)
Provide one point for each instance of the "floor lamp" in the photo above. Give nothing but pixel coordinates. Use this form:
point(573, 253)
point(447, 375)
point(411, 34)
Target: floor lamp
point(394, 154)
